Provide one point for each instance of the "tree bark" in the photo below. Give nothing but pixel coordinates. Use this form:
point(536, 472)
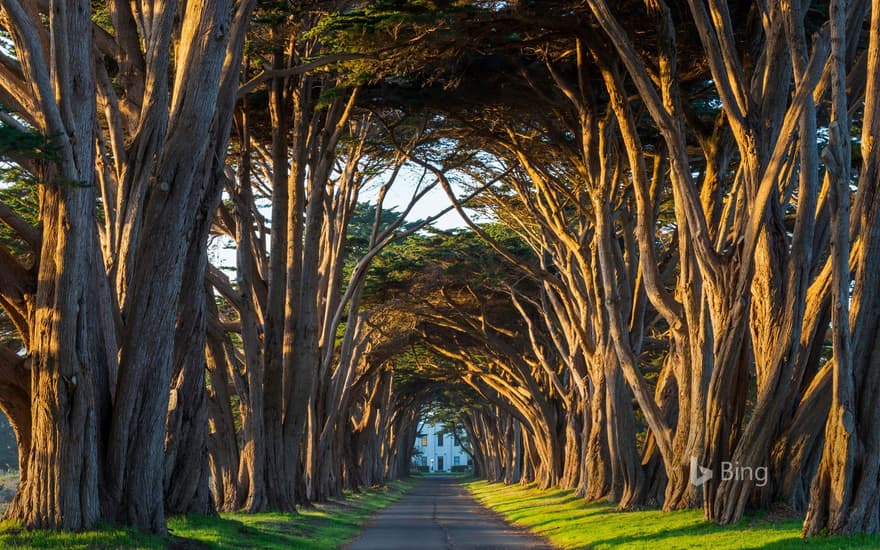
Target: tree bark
point(136, 443)
point(71, 358)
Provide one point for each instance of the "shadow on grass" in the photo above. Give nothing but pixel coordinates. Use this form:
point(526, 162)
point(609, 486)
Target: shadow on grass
point(569, 522)
point(12, 535)
point(323, 526)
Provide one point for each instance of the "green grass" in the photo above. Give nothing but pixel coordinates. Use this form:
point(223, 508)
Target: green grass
point(329, 525)
point(569, 522)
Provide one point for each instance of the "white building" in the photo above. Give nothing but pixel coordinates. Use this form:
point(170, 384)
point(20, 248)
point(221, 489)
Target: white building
point(438, 451)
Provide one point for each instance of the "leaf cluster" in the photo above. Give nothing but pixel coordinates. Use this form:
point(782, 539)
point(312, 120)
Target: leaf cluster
point(451, 259)
point(17, 142)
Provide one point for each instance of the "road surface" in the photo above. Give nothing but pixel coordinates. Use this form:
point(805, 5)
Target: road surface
point(440, 514)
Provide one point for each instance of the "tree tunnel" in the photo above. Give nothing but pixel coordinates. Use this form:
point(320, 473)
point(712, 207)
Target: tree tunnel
point(221, 287)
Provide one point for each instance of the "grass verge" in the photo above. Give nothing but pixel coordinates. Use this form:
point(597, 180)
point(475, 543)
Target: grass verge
point(568, 522)
point(324, 526)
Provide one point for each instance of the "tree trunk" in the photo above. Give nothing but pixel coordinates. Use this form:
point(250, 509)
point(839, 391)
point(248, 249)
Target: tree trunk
point(70, 342)
point(61, 490)
point(271, 406)
point(223, 452)
point(186, 440)
point(136, 443)
point(628, 479)
point(572, 454)
point(306, 355)
point(16, 403)
point(597, 476)
point(843, 495)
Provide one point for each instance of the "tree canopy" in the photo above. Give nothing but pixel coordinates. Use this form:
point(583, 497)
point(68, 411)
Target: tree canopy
point(668, 257)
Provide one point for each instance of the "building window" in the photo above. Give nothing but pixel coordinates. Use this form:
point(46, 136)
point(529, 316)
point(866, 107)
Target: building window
point(439, 440)
point(456, 460)
point(424, 441)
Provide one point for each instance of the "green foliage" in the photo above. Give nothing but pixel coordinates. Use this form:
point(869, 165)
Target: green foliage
point(358, 235)
point(18, 187)
point(361, 225)
point(455, 257)
point(18, 191)
point(271, 12)
point(345, 30)
point(101, 16)
point(396, 38)
point(329, 95)
point(14, 141)
point(412, 368)
point(569, 522)
point(415, 272)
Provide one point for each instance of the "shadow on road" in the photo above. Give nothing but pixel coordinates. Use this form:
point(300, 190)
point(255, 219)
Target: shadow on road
point(439, 514)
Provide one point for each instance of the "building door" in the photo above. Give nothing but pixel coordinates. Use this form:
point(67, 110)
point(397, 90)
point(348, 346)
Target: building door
point(440, 464)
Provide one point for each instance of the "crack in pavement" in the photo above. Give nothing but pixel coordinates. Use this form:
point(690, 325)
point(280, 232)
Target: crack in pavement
point(446, 536)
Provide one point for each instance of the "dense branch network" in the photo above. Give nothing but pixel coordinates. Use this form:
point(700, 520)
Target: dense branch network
point(669, 259)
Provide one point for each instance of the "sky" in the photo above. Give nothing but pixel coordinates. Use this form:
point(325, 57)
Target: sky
point(432, 203)
point(222, 253)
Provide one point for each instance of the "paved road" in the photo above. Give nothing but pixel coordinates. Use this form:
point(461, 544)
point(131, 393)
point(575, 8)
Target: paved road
point(440, 514)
